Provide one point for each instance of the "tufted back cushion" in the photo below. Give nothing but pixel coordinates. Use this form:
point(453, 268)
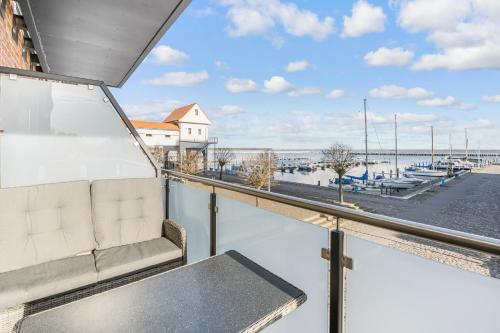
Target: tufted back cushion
point(43, 223)
point(126, 211)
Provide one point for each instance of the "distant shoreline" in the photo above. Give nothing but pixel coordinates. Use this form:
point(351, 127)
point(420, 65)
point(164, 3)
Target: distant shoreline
point(378, 152)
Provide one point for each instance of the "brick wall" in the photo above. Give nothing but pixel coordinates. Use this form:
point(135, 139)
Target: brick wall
point(11, 50)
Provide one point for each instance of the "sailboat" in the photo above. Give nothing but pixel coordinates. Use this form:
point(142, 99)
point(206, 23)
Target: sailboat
point(451, 163)
point(355, 183)
point(421, 172)
point(398, 183)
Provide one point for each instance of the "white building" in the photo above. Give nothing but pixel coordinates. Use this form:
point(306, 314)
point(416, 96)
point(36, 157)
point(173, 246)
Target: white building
point(192, 123)
point(184, 128)
point(158, 134)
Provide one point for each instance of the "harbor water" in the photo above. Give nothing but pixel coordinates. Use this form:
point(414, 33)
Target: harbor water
point(379, 163)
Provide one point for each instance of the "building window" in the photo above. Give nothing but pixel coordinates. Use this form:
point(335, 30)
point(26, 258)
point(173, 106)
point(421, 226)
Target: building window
point(199, 131)
point(195, 112)
point(167, 136)
point(149, 134)
point(189, 130)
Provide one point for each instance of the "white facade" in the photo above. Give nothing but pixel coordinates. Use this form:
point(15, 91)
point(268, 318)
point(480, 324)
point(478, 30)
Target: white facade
point(193, 132)
point(159, 137)
point(193, 125)
point(188, 124)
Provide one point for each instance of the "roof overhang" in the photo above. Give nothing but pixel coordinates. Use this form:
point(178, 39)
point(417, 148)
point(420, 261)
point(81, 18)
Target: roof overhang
point(102, 40)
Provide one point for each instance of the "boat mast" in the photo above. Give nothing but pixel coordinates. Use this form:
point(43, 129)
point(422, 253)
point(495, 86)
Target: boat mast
point(396, 140)
point(466, 145)
point(432, 142)
point(479, 153)
point(451, 147)
point(366, 140)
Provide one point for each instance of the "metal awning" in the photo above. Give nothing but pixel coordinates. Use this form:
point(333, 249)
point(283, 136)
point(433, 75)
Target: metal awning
point(102, 40)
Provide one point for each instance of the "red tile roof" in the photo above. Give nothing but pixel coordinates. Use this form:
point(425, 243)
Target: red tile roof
point(154, 125)
point(178, 113)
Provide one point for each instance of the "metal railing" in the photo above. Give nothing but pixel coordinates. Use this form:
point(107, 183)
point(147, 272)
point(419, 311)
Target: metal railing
point(448, 236)
point(336, 253)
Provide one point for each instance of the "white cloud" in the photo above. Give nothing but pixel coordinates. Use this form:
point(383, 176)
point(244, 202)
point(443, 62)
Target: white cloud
point(437, 102)
point(463, 58)
point(493, 99)
point(482, 123)
point(207, 11)
point(466, 106)
point(428, 15)
point(371, 116)
point(179, 79)
point(397, 92)
point(230, 110)
point(236, 85)
point(151, 111)
point(222, 65)
point(336, 93)
point(259, 17)
point(389, 57)
point(277, 84)
point(166, 55)
point(304, 91)
point(297, 66)
point(248, 21)
point(464, 32)
point(365, 18)
point(415, 117)
point(403, 118)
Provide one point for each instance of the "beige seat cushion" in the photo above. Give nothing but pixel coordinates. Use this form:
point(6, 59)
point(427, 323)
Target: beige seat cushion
point(125, 259)
point(43, 223)
point(47, 279)
point(126, 211)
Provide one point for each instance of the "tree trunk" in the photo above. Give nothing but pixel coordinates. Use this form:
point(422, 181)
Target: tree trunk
point(220, 172)
point(341, 192)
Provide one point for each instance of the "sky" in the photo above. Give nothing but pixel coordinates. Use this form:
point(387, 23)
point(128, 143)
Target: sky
point(293, 74)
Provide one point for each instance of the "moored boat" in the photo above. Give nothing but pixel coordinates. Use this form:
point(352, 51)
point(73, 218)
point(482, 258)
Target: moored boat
point(419, 172)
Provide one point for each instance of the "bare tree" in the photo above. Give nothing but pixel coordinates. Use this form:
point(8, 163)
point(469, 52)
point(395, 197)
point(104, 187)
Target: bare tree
point(258, 171)
point(191, 161)
point(166, 158)
point(223, 157)
point(341, 159)
point(157, 152)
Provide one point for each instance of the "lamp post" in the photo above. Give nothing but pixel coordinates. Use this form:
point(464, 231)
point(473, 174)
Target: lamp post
point(269, 170)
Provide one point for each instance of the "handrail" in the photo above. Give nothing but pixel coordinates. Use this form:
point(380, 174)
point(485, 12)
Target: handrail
point(443, 235)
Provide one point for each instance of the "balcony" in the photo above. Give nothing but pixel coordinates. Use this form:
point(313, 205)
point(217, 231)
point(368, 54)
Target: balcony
point(362, 272)
point(197, 143)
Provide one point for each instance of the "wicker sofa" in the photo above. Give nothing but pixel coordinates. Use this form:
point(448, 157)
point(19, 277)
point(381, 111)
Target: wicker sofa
point(64, 241)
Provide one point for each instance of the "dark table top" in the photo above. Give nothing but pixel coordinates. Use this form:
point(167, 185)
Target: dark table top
point(224, 293)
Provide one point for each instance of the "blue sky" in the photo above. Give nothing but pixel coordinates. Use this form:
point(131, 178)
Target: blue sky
point(293, 74)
